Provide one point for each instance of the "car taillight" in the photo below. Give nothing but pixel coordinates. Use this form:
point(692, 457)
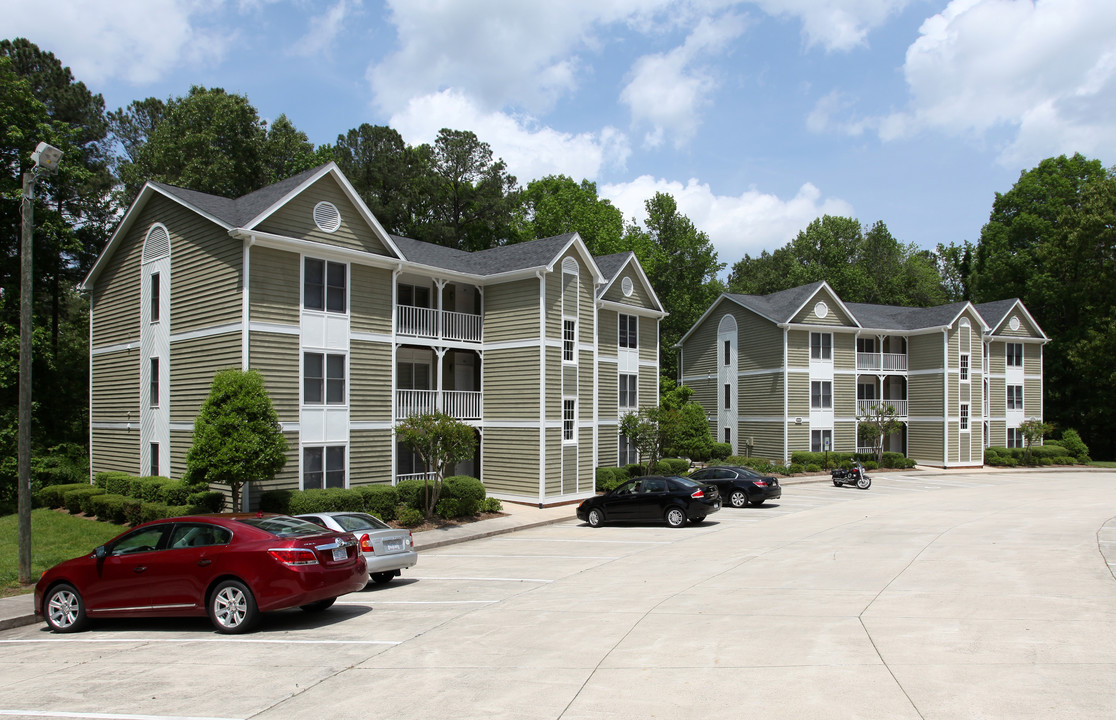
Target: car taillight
point(410, 539)
point(698, 494)
point(759, 483)
point(365, 543)
point(293, 556)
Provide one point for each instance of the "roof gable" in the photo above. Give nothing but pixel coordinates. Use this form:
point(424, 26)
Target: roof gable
point(618, 268)
point(823, 307)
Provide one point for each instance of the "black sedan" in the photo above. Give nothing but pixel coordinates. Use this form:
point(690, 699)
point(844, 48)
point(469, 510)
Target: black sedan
point(653, 497)
point(740, 485)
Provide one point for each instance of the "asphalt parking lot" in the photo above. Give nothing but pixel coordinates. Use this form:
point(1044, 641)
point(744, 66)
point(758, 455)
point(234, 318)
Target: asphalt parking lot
point(928, 596)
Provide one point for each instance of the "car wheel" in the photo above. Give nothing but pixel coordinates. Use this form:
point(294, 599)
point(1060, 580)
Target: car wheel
point(382, 577)
point(738, 498)
point(596, 518)
point(675, 517)
point(64, 609)
point(698, 520)
point(320, 605)
point(864, 483)
point(232, 609)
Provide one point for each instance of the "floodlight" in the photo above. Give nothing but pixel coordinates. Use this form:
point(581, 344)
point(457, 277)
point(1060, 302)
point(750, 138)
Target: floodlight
point(46, 157)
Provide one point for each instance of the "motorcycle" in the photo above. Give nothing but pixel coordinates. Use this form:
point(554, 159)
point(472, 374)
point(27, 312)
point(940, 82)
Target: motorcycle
point(852, 476)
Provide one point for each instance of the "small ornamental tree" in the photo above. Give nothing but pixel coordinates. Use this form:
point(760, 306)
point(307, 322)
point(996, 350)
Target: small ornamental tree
point(237, 437)
point(440, 442)
point(877, 424)
point(642, 429)
point(1032, 430)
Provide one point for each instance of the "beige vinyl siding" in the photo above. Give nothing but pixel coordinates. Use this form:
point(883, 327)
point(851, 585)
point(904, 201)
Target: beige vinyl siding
point(608, 446)
point(193, 363)
point(273, 293)
point(586, 326)
point(844, 436)
point(510, 461)
point(180, 443)
point(639, 297)
point(608, 339)
point(608, 391)
point(115, 387)
point(585, 470)
point(285, 479)
point(115, 450)
point(370, 299)
point(699, 352)
point(798, 348)
point(554, 306)
point(1032, 397)
point(277, 357)
point(924, 352)
point(1026, 329)
point(554, 389)
point(586, 398)
point(763, 394)
point(924, 393)
point(511, 311)
point(647, 387)
point(924, 441)
point(115, 298)
point(369, 381)
point(844, 397)
point(369, 457)
point(511, 384)
point(798, 437)
point(997, 357)
point(554, 452)
point(759, 343)
point(844, 352)
point(834, 316)
point(997, 397)
point(798, 395)
point(1032, 359)
point(296, 219)
point(997, 433)
point(205, 273)
point(649, 340)
point(767, 439)
point(706, 393)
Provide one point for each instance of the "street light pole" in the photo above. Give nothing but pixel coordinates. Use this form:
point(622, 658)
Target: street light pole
point(46, 158)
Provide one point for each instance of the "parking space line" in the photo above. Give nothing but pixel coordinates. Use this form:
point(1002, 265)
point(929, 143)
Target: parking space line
point(251, 641)
point(417, 602)
point(103, 716)
point(481, 579)
point(560, 540)
point(529, 557)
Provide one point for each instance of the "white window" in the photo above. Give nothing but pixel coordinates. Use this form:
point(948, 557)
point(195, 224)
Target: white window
point(154, 383)
point(154, 297)
point(154, 450)
point(728, 396)
point(1014, 438)
point(324, 285)
point(569, 333)
point(627, 452)
point(728, 352)
point(629, 331)
point(1014, 397)
point(569, 409)
point(821, 346)
point(323, 467)
point(821, 440)
point(964, 367)
point(821, 394)
point(323, 379)
point(629, 398)
point(1015, 354)
point(964, 417)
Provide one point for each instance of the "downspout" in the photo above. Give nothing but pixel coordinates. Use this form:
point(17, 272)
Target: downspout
point(945, 397)
point(541, 275)
point(89, 407)
point(245, 336)
point(786, 395)
point(393, 314)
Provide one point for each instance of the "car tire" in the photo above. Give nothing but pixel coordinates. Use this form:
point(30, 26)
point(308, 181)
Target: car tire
point(738, 498)
point(64, 609)
point(319, 606)
point(232, 609)
point(596, 518)
point(382, 578)
point(698, 520)
point(758, 502)
point(675, 517)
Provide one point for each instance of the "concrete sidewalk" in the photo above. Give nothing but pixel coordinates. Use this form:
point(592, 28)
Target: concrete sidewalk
point(20, 609)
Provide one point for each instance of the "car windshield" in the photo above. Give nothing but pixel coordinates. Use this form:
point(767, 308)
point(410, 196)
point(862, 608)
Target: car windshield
point(283, 526)
point(355, 522)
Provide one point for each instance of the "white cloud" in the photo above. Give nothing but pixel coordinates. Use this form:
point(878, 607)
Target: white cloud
point(530, 150)
point(325, 28)
point(1044, 71)
point(668, 90)
point(138, 40)
point(748, 223)
point(835, 24)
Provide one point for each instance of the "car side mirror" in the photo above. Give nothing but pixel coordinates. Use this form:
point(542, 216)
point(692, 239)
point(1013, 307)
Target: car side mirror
point(100, 552)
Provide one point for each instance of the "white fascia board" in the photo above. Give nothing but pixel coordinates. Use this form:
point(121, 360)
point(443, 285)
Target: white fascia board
point(586, 258)
point(630, 309)
point(634, 262)
point(1030, 318)
point(827, 328)
point(707, 313)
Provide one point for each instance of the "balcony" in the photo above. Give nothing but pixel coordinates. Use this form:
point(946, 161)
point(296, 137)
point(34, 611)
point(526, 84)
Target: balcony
point(868, 407)
point(882, 362)
point(458, 404)
point(438, 325)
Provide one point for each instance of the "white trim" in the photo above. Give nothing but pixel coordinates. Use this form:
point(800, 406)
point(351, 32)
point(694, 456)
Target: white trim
point(371, 425)
point(107, 425)
point(541, 274)
point(372, 337)
point(182, 426)
point(275, 328)
point(630, 309)
point(106, 349)
point(229, 329)
point(245, 301)
point(516, 344)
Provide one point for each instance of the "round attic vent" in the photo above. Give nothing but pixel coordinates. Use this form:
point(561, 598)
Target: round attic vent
point(821, 310)
point(327, 217)
point(627, 286)
point(1014, 322)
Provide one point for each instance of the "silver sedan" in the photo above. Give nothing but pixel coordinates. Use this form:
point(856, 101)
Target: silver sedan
point(387, 550)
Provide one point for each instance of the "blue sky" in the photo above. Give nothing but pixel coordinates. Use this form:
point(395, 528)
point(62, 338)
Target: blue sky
point(757, 116)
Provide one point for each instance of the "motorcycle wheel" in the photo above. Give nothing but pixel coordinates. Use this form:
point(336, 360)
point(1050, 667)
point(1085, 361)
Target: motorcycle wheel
point(864, 482)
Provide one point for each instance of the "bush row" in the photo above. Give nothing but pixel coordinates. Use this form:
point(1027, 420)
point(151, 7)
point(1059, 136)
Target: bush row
point(122, 498)
point(892, 460)
point(1048, 454)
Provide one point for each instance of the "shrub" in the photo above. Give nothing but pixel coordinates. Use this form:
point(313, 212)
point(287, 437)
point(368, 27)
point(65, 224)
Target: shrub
point(896, 460)
point(492, 505)
point(379, 500)
point(148, 487)
point(468, 491)
point(154, 511)
point(720, 450)
point(448, 508)
point(1048, 450)
point(108, 507)
point(1065, 460)
point(408, 516)
point(411, 493)
point(609, 478)
point(53, 496)
point(633, 470)
point(133, 510)
point(209, 501)
point(677, 466)
point(114, 482)
point(325, 500)
point(276, 501)
point(65, 464)
point(1073, 444)
point(794, 468)
point(76, 500)
point(813, 468)
point(175, 492)
point(871, 465)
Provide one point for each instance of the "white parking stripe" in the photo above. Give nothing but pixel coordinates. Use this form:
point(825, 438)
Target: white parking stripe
point(252, 641)
point(103, 716)
point(484, 579)
point(527, 557)
point(419, 602)
point(558, 540)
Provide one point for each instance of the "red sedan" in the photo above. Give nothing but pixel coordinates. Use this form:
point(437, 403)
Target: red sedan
point(232, 567)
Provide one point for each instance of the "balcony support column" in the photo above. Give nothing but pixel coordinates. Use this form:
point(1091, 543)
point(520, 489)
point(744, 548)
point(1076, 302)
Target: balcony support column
point(438, 331)
point(439, 400)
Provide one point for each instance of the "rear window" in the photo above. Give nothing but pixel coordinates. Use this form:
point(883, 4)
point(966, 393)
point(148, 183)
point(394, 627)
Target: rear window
point(284, 526)
point(352, 523)
point(686, 482)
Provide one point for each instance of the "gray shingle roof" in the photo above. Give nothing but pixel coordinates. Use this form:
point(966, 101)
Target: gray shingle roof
point(995, 312)
point(778, 306)
point(892, 317)
point(241, 211)
point(610, 265)
point(506, 258)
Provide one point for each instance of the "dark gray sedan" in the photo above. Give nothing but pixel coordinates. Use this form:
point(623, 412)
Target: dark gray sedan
point(740, 486)
point(653, 498)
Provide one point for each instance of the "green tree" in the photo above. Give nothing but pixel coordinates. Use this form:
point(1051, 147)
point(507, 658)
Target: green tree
point(642, 429)
point(237, 437)
point(683, 423)
point(287, 151)
point(875, 425)
point(556, 204)
point(390, 176)
point(441, 442)
point(1033, 431)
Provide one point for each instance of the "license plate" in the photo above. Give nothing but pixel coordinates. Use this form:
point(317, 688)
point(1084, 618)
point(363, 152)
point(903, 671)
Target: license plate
point(393, 544)
point(340, 553)
point(717, 505)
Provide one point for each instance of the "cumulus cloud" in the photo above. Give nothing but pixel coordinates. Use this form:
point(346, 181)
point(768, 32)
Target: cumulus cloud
point(1044, 73)
point(748, 223)
point(325, 28)
point(530, 150)
point(140, 41)
point(667, 91)
point(835, 24)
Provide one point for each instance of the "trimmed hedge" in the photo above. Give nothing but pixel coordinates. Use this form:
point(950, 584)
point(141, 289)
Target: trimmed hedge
point(207, 501)
point(115, 483)
point(148, 488)
point(468, 491)
point(326, 500)
point(109, 507)
point(379, 500)
point(672, 466)
point(77, 501)
point(53, 496)
point(720, 450)
point(608, 478)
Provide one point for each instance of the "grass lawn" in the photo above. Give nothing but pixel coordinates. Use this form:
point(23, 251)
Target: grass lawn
point(55, 536)
point(1103, 463)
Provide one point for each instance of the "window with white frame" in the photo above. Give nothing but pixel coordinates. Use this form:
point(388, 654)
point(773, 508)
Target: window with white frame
point(821, 346)
point(821, 440)
point(964, 367)
point(154, 297)
point(324, 285)
point(1014, 438)
point(323, 379)
point(153, 385)
point(569, 333)
point(629, 398)
point(1014, 397)
point(1015, 354)
point(414, 296)
point(569, 413)
point(728, 435)
point(964, 417)
point(627, 452)
point(728, 352)
point(728, 396)
point(629, 331)
point(154, 463)
point(821, 394)
point(323, 467)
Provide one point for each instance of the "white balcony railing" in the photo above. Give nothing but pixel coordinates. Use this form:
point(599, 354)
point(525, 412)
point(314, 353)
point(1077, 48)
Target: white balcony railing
point(865, 450)
point(868, 407)
point(882, 362)
point(428, 323)
point(415, 476)
point(458, 404)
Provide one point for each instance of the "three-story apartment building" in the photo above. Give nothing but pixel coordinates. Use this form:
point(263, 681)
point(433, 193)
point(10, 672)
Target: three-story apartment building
point(355, 329)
